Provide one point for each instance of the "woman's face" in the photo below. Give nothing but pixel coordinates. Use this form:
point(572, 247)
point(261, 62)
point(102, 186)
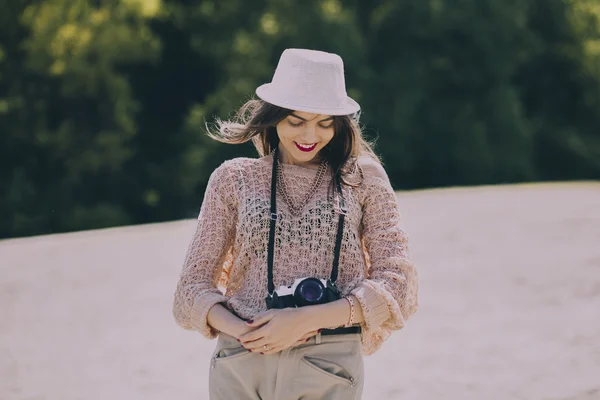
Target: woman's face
point(303, 135)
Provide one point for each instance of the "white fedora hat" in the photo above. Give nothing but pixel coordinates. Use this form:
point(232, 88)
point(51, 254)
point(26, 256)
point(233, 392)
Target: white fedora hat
point(311, 81)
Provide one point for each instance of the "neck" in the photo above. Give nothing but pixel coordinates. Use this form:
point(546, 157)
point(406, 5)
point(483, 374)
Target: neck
point(285, 158)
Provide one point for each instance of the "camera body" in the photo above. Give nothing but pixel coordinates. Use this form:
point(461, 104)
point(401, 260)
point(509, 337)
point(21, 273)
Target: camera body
point(304, 292)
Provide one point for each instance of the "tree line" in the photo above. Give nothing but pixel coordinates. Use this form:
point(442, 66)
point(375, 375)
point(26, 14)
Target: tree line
point(103, 104)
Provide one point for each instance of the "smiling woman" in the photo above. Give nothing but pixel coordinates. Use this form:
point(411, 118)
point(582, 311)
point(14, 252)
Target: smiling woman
point(302, 136)
point(314, 279)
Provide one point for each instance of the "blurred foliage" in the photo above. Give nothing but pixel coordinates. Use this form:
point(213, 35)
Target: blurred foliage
point(103, 104)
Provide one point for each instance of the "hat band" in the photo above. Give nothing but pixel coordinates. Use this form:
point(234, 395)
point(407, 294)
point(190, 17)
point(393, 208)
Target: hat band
point(287, 98)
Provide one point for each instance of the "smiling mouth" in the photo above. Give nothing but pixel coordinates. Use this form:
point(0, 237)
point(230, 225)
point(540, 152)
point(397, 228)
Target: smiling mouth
point(305, 148)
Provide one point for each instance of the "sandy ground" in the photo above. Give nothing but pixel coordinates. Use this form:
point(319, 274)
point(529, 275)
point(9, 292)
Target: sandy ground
point(509, 305)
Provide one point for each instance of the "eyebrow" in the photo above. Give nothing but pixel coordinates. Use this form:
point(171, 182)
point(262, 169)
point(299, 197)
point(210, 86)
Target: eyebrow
point(303, 119)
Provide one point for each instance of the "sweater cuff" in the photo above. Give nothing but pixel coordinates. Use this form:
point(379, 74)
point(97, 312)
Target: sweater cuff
point(200, 310)
point(378, 305)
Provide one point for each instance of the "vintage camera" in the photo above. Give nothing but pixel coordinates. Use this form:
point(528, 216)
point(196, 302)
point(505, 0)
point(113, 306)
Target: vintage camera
point(304, 292)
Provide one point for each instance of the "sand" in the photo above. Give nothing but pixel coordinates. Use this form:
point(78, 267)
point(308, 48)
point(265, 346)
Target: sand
point(509, 305)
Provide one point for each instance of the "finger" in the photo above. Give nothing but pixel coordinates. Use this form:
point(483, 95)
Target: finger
point(272, 350)
point(308, 335)
point(254, 335)
point(259, 344)
point(305, 338)
point(298, 343)
point(261, 318)
point(256, 345)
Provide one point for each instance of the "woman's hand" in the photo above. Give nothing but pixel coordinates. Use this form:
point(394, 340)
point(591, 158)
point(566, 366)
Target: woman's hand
point(278, 329)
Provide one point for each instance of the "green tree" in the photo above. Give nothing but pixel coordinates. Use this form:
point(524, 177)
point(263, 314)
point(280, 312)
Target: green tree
point(440, 91)
point(103, 105)
point(560, 88)
point(71, 112)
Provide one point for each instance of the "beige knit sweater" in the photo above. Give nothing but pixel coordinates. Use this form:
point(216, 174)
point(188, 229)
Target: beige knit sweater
point(227, 258)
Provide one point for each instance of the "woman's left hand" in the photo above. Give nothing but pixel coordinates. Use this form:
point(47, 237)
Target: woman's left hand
point(278, 329)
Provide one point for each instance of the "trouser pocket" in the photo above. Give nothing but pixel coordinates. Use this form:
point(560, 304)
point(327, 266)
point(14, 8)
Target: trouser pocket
point(330, 370)
point(234, 372)
point(227, 348)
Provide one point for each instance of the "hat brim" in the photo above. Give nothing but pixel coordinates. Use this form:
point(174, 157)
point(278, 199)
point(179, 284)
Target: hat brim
point(264, 93)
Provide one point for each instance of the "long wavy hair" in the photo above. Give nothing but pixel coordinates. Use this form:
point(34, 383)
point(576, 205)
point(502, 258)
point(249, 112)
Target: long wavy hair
point(256, 120)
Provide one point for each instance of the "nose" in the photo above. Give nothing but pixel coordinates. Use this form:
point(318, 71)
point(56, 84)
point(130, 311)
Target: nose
point(308, 136)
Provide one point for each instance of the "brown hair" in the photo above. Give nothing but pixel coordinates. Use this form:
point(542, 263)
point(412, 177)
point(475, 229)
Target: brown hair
point(256, 120)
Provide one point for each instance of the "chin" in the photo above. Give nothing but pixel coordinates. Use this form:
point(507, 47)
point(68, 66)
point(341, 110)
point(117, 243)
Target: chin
point(304, 157)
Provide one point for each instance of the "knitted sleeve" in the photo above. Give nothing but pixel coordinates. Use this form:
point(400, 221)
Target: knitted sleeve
point(388, 295)
point(197, 290)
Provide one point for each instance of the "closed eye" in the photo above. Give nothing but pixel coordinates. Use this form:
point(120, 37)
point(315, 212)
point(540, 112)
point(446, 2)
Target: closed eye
point(301, 123)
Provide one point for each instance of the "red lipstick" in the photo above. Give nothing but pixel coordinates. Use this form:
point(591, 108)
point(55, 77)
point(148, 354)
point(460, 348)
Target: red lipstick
point(306, 149)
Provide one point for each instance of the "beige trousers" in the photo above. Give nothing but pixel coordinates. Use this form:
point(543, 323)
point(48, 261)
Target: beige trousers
point(325, 368)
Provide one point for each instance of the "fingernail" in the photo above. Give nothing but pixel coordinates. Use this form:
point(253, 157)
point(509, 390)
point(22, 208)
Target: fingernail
point(307, 340)
point(237, 340)
point(319, 330)
point(262, 352)
point(250, 321)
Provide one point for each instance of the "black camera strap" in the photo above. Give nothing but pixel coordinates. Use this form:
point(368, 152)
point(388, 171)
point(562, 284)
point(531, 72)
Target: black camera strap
point(340, 230)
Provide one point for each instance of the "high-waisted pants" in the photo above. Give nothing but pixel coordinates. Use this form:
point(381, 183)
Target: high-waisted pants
point(324, 368)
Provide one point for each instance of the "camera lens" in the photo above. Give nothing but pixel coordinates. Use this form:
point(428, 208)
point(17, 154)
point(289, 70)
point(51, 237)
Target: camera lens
point(310, 291)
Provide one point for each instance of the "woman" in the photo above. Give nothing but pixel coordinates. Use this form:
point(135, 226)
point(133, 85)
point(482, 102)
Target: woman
point(273, 231)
